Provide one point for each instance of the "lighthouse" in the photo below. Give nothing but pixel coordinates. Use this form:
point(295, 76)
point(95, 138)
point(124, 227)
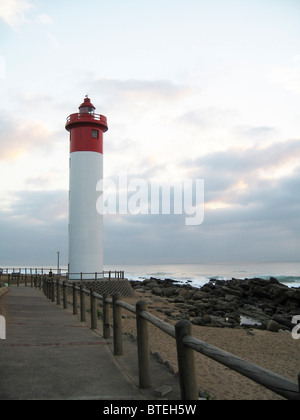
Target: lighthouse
point(86, 169)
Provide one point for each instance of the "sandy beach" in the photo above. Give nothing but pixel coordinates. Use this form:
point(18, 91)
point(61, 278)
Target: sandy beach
point(278, 352)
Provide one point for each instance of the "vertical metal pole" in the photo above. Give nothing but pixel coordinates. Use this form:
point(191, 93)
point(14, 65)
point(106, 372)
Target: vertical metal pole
point(58, 273)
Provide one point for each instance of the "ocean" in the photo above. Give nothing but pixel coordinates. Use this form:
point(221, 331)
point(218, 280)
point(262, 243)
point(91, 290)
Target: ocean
point(197, 275)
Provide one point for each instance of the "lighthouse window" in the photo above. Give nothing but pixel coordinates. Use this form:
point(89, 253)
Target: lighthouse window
point(86, 110)
point(95, 134)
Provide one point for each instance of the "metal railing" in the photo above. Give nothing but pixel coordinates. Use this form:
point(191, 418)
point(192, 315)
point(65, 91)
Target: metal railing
point(84, 115)
point(22, 275)
point(186, 344)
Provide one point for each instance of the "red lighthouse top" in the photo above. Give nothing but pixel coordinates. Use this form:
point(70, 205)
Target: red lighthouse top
point(87, 115)
point(86, 106)
point(86, 128)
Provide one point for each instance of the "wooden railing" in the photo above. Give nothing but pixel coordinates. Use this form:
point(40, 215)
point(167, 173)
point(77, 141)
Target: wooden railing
point(186, 344)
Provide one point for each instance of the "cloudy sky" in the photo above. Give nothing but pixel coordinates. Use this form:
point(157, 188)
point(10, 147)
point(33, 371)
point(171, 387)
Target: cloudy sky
point(191, 90)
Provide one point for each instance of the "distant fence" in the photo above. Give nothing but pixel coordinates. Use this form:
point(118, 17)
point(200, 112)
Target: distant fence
point(19, 275)
point(186, 344)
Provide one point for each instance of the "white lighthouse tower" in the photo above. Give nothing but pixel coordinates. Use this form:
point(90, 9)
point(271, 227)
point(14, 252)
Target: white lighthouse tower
point(86, 169)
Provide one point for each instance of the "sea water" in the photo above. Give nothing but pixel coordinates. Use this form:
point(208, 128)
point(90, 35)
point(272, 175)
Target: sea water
point(197, 275)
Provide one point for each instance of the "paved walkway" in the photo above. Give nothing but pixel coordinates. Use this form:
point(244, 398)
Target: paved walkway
point(49, 355)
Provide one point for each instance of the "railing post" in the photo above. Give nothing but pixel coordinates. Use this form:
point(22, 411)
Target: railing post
point(48, 289)
point(299, 384)
point(75, 300)
point(117, 326)
point(57, 291)
point(93, 311)
point(82, 305)
point(44, 285)
point(53, 290)
point(106, 317)
point(143, 346)
point(186, 362)
point(65, 298)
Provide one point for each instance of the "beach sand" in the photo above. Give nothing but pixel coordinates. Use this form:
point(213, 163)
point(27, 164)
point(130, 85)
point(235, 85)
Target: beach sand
point(278, 352)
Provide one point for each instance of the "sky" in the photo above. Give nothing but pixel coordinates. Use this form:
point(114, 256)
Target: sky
point(191, 90)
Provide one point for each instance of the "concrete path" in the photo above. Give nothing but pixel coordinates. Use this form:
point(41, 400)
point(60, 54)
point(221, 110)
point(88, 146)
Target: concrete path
point(49, 355)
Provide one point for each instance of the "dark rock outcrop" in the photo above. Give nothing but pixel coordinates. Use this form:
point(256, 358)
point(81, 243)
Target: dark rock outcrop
point(255, 303)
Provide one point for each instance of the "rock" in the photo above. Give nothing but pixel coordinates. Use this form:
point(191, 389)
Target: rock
point(230, 298)
point(273, 326)
point(259, 299)
point(158, 358)
point(186, 294)
point(169, 291)
point(232, 291)
point(151, 283)
point(139, 289)
point(179, 299)
point(199, 295)
point(170, 367)
point(293, 294)
point(198, 321)
point(157, 291)
point(284, 321)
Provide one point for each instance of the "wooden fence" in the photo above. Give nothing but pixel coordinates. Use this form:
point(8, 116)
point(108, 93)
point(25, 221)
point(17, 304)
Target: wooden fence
point(182, 332)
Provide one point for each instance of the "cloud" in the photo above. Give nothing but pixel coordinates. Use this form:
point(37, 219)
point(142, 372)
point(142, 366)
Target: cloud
point(138, 87)
point(20, 137)
point(257, 219)
point(288, 76)
point(54, 41)
point(44, 19)
point(39, 206)
point(259, 131)
point(262, 224)
point(13, 11)
point(248, 161)
point(34, 228)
